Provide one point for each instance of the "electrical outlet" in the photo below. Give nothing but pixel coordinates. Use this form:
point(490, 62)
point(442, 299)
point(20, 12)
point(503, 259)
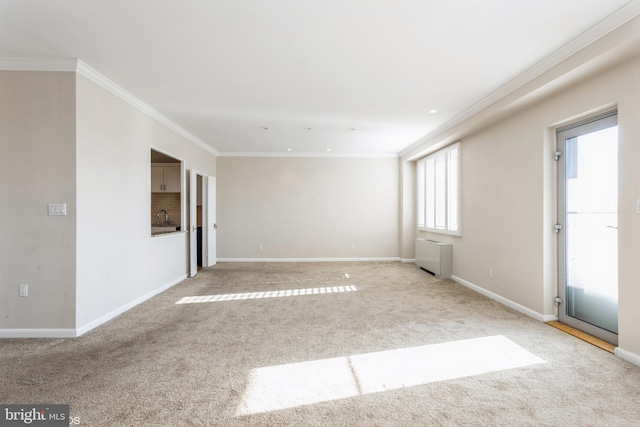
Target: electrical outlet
point(353, 246)
point(260, 246)
point(490, 274)
point(24, 290)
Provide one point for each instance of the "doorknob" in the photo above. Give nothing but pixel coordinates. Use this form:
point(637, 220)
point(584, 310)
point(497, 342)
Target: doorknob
point(193, 228)
point(215, 226)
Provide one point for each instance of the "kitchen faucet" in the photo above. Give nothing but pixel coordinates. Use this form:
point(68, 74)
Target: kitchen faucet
point(166, 217)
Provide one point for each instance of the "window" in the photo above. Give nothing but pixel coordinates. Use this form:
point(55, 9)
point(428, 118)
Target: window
point(438, 199)
point(166, 194)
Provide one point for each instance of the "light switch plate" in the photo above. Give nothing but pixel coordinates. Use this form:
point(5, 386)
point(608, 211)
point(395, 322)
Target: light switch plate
point(638, 206)
point(57, 209)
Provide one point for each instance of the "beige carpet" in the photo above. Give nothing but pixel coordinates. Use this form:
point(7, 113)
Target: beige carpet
point(335, 357)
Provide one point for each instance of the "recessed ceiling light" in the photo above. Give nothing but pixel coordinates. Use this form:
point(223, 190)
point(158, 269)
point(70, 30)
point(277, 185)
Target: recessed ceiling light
point(264, 128)
point(328, 149)
point(433, 111)
point(289, 149)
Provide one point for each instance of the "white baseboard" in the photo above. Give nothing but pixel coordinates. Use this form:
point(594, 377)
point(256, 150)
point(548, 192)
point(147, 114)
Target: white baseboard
point(408, 261)
point(514, 305)
point(118, 311)
point(628, 356)
point(382, 259)
point(72, 333)
point(37, 333)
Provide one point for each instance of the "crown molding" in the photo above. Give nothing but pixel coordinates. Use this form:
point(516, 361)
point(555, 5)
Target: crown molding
point(615, 20)
point(315, 155)
point(274, 260)
point(79, 67)
point(104, 82)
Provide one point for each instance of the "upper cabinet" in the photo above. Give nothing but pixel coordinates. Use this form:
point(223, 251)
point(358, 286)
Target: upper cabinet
point(165, 179)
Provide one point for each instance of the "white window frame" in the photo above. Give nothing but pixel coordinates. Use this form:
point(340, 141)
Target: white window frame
point(438, 201)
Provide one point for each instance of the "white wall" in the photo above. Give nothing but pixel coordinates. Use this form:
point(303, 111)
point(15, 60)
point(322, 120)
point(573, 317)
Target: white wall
point(308, 208)
point(37, 167)
point(508, 196)
point(64, 139)
point(118, 262)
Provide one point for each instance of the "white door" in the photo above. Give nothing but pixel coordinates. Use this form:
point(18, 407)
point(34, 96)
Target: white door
point(210, 225)
point(202, 204)
point(193, 226)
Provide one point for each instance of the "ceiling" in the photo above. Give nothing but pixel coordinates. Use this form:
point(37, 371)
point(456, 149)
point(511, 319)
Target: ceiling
point(291, 77)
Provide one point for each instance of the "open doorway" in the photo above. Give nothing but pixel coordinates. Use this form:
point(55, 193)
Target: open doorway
point(202, 226)
point(200, 240)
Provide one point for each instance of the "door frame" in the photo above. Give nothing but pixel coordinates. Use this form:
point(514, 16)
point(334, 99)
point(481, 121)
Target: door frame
point(591, 124)
point(208, 244)
point(193, 226)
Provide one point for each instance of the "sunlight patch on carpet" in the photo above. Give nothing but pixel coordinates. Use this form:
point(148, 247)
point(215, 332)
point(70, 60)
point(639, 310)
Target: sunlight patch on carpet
point(267, 294)
point(292, 385)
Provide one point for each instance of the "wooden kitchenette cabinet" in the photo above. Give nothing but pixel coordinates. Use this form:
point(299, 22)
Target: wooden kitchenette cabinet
point(165, 178)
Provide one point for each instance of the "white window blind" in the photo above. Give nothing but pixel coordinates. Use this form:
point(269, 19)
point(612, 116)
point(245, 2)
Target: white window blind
point(438, 186)
point(421, 186)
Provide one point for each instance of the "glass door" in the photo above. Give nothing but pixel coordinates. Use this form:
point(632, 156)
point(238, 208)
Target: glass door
point(588, 226)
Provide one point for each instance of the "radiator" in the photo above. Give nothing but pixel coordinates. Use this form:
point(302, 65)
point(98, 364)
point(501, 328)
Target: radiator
point(435, 257)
